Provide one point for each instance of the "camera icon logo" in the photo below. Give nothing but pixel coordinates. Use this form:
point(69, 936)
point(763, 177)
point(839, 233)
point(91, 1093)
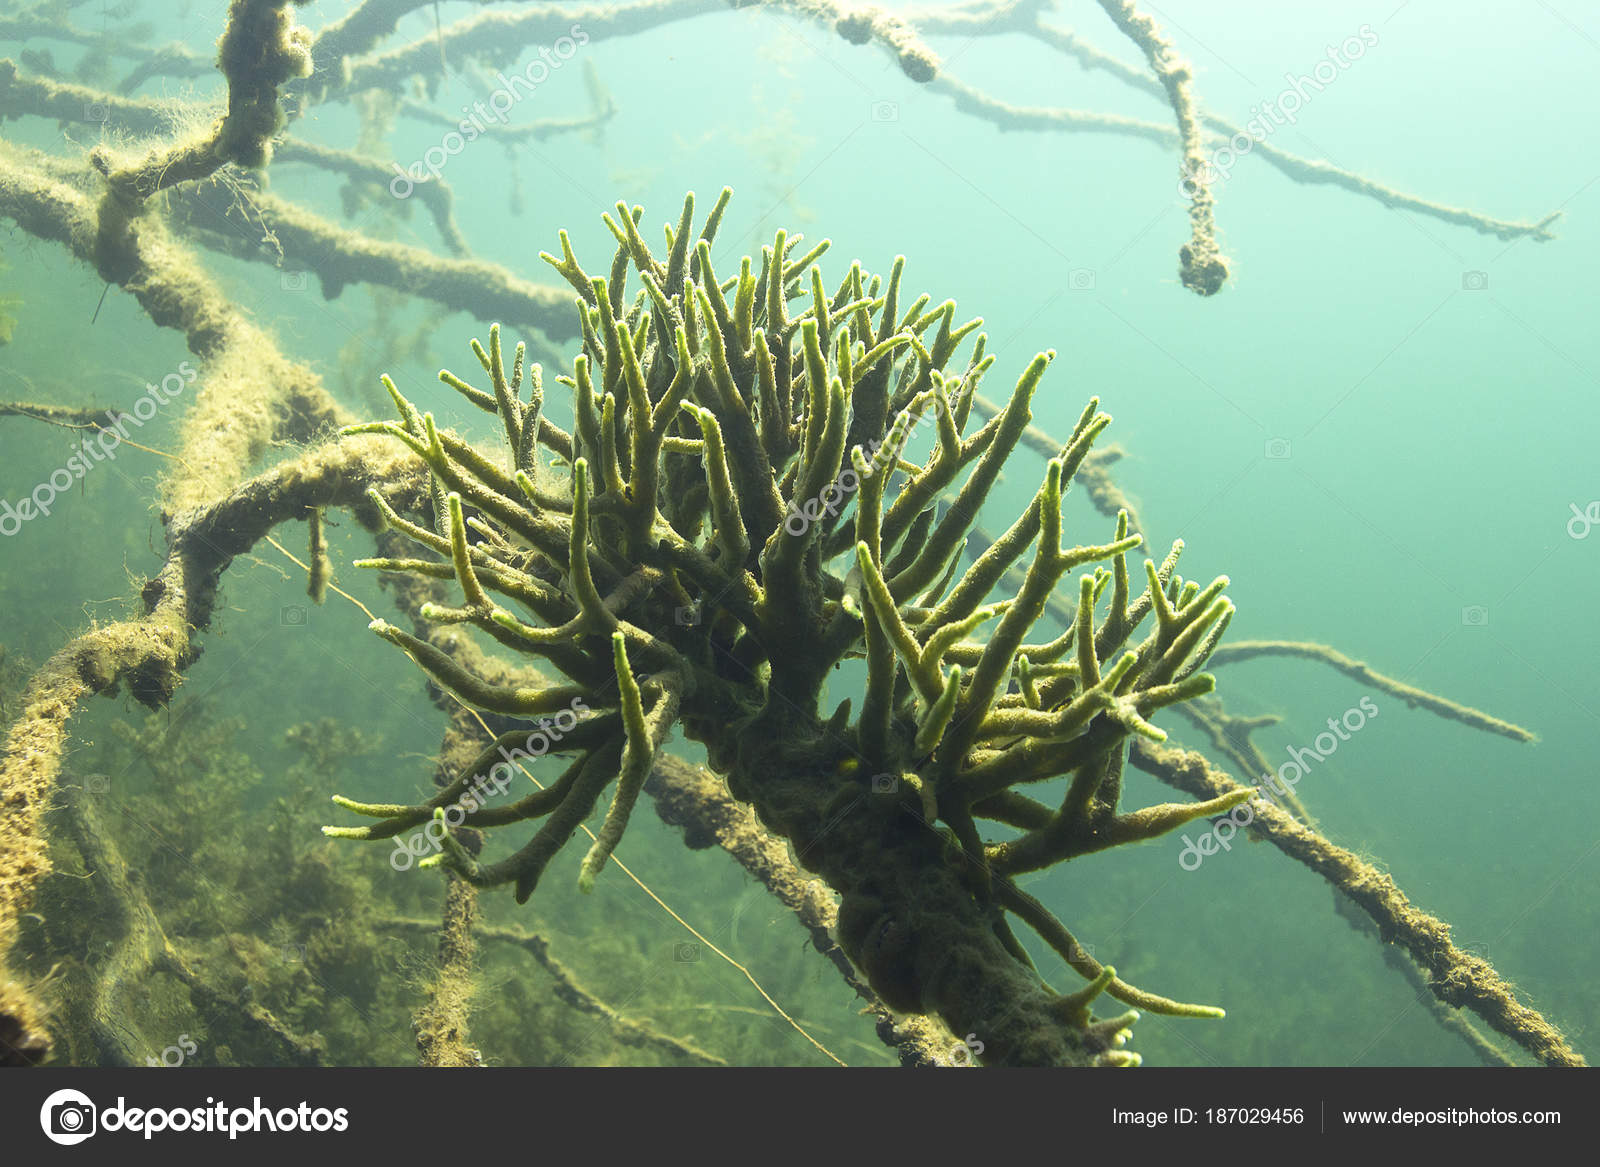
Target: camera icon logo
point(965, 1054)
point(687, 615)
point(292, 281)
point(97, 784)
point(95, 111)
point(1479, 950)
point(292, 616)
point(885, 784)
point(1584, 521)
point(1081, 279)
point(885, 111)
point(1196, 179)
point(68, 1117)
point(686, 952)
point(1475, 616)
point(1474, 281)
point(1277, 449)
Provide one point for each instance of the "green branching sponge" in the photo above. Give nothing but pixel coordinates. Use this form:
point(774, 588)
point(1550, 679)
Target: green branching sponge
point(763, 481)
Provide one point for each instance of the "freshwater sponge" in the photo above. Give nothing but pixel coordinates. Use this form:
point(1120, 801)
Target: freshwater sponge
point(732, 519)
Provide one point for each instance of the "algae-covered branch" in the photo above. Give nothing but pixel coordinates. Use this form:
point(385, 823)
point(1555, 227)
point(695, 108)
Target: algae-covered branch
point(737, 514)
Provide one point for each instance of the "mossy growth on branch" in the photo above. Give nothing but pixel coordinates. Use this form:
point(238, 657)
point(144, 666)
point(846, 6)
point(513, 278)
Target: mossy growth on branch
point(733, 517)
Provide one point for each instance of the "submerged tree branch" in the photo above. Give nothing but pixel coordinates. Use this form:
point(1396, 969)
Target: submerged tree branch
point(1457, 978)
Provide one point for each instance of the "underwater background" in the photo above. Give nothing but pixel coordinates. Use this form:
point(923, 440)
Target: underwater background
point(1382, 429)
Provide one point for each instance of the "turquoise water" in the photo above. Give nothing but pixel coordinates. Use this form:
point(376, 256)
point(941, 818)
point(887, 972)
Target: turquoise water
point(1381, 430)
